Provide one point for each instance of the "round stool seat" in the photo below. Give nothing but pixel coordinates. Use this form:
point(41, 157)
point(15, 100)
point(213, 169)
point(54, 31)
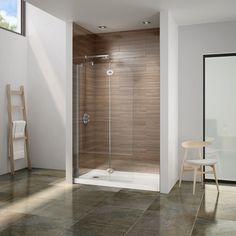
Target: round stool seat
point(202, 162)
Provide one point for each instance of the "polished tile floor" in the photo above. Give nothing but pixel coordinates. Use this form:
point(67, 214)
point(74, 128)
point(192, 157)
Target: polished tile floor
point(40, 203)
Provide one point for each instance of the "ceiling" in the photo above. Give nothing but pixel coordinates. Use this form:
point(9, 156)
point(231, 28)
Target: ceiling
point(121, 15)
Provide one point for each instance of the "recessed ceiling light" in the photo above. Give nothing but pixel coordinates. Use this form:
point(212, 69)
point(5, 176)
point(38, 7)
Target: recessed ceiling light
point(146, 22)
point(102, 27)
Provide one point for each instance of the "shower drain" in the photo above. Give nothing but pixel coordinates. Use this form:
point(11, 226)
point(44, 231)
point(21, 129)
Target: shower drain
point(95, 177)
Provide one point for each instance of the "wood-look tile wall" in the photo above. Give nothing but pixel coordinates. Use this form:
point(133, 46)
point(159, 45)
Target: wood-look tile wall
point(135, 96)
point(135, 88)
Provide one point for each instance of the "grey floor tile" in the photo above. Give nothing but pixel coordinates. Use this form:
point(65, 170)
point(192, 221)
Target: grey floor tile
point(141, 232)
point(48, 172)
point(20, 190)
point(213, 212)
point(28, 232)
point(218, 206)
point(164, 203)
point(5, 196)
point(35, 225)
point(9, 218)
point(132, 199)
point(166, 221)
point(90, 195)
point(67, 211)
point(40, 203)
point(89, 229)
point(41, 223)
point(111, 215)
point(99, 188)
point(167, 232)
point(204, 227)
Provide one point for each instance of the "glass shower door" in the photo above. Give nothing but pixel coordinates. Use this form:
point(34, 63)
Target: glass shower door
point(109, 140)
point(103, 97)
point(90, 121)
point(114, 116)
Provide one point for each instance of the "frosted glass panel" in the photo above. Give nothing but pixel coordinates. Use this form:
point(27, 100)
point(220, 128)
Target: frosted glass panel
point(220, 114)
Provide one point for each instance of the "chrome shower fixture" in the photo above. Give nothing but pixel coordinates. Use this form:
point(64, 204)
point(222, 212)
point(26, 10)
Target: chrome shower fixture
point(105, 56)
point(85, 118)
point(110, 72)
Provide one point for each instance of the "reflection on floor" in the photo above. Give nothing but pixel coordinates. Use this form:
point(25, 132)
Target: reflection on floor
point(41, 203)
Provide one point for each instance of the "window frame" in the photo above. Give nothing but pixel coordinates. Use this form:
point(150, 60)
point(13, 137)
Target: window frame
point(23, 17)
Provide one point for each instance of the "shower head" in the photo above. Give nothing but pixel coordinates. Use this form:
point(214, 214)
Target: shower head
point(110, 72)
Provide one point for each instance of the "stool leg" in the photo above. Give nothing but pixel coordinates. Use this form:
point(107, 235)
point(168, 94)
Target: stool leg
point(194, 180)
point(202, 175)
point(181, 175)
point(214, 171)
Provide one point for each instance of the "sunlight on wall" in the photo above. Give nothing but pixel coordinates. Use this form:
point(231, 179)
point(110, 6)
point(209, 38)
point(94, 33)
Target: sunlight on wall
point(48, 72)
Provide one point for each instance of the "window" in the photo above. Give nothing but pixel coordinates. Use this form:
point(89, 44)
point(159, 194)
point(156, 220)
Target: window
point(12, 15)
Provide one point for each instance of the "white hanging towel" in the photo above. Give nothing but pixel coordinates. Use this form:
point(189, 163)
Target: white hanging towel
point(18, 131)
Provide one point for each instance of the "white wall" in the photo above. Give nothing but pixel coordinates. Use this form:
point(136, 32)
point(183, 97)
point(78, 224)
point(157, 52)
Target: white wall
point(69, 109)
point(169, 101)
point(47, 75)
point(13, 70)
point(194, 42)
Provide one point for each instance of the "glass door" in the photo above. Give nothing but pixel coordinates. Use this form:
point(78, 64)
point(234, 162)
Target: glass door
point(93, 117)
point(103, 117)
point(220, 113)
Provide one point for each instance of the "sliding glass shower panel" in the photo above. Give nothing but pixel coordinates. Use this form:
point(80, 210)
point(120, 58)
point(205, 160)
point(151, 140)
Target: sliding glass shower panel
point(104, 116)
point(121, 100)
point(94, 118)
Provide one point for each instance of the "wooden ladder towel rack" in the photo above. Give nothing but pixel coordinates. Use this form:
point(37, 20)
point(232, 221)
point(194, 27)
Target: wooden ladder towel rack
point(11, 108)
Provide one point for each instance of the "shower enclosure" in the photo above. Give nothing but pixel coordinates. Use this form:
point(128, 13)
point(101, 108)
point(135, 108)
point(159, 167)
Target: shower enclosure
point(115, 140)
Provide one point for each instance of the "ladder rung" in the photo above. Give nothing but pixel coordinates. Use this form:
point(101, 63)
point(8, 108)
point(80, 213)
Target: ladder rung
point(16, 92)
point(18, 138)
point(18, 108)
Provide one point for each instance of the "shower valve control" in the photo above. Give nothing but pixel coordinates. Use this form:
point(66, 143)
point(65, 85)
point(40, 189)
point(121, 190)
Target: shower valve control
point(85, 118)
